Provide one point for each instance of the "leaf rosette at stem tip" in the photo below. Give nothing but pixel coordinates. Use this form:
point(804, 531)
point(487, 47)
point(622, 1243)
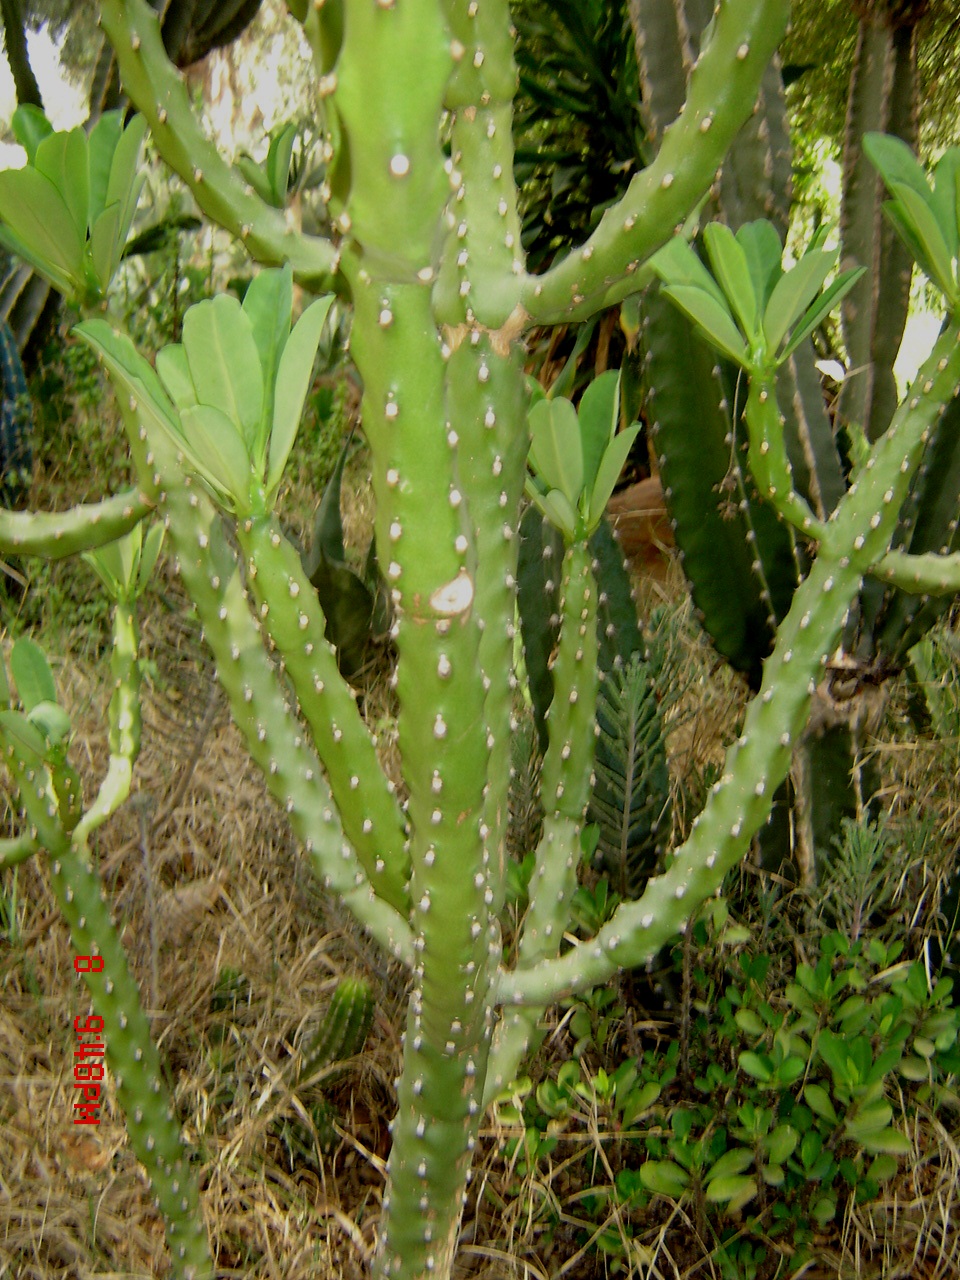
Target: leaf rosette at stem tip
point(231, 395)
point(270, 179)
point(124, 566)
point(746, 305)
point(926, 218)
point(576, 455)
point(38, 734)
point(68, 211)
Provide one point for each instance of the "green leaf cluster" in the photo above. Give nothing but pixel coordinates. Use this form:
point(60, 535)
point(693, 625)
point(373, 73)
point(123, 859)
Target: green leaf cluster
point(793, 1086)
point(125, 566)
point(35, 738)
point(927, 218)
point(746, 305)
point(231, 395)
point(68, 211)
point(576, 456)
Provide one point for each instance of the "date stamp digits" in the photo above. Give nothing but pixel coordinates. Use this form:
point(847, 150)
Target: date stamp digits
point(88, 1070)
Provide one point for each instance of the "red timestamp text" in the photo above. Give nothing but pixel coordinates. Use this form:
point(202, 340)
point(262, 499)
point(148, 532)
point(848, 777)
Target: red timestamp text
point(88, 1069)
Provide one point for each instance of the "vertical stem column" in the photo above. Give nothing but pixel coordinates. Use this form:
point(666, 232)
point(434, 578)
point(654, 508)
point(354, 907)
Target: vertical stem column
point(391, 75)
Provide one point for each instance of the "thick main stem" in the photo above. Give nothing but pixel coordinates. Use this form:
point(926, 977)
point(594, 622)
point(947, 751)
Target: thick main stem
point(391, 76)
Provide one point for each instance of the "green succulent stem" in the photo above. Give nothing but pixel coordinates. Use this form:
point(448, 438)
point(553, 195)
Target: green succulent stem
point(124, 724)
point(273, 734)
point(343, 1030)
point(920, 574)
point(130, 1052)
point(135, 1063)
point(768, 459)
point(56, 535)
point(17, 849)
point(423, 524)
point(290, 612)
point(565, 788)
point(152, 82)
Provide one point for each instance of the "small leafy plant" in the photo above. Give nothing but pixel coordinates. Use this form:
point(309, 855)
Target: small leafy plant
point(799, 1084)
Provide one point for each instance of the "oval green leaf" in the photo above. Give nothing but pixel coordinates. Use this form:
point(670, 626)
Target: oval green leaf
point(218, 451)
point(781, 1143)
point(62, 157)
point(224, 363)
point(31, 674)
point(608, 473)
point(677, 265)
point(758, 1065)
point(268, 303)
point(664, 1177)
point(30, 127)
point(101, 144)
point(105, 246)
point(818, 1100)
point(820, 309)
point(732, 270)
point(126, 178)
point(792, 295)
point(939, 264)
point(734, 1161)
point(749, 1020)
point(895, 162)
point(888, 1141)
point(713, 320)
point(294, 374)
point(37, 215)
point(558, 511)
point(174, 371)
point(599, 414)
point(738, 1188)
point(556, 454)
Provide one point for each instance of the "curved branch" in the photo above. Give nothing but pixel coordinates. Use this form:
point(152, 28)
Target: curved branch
point(722, 93)
point(54, 535)
point(159, 94)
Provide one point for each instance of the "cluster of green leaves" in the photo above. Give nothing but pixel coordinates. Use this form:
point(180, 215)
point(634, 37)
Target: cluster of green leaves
point(927, 218)
point(808, 1105)
point(756, 313)
point(37, 734)
point(576, 455)
point(785, 1112)
point(69, 210)
point(231, 395)
point(750, 308)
